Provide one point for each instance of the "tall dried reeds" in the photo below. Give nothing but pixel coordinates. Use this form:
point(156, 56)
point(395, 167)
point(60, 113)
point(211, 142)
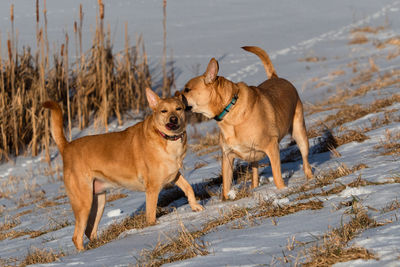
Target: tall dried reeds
point(100, 85)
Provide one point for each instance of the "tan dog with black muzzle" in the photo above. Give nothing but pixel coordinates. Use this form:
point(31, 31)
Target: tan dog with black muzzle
point(144, 157)
point(253, 120)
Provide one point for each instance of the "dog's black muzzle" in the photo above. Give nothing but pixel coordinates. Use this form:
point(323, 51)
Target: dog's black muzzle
point(185, 102)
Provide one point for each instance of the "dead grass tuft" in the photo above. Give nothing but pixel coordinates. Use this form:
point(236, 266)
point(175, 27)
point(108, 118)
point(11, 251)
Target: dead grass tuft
point(368, 29)
point(354, 112)
point(361, 182)
point(326, 178)
point(391, 144)
point(5, 227)
point(39, 256)
point(206, 144)
point(333, 245)
point(394, 205)
point(187, 245)
point(115, 196)
point(114, 230)
point(358, 38)
point(312, 59)
point(350, 136)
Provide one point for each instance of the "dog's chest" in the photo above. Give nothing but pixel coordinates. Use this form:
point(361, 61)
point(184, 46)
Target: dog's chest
point(175, 153)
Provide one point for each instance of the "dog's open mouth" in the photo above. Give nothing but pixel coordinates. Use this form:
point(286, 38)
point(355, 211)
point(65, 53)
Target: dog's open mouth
point(172, 126)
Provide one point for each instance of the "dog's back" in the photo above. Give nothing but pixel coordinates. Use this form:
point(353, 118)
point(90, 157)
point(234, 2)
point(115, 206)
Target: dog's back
point(280, 92)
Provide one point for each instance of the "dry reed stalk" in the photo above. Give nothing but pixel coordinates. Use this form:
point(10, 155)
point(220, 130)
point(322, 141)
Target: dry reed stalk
point(102, 64)
point(165, 90)
point(3, 151)
point(66, 67)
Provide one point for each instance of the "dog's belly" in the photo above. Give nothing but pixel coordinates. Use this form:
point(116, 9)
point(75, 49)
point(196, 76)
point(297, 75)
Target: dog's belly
point(247, 153)
point(106, 181)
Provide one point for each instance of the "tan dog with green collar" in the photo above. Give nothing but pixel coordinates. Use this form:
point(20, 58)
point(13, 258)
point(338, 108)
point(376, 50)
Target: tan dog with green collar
point(144, 157)
point(253, 120)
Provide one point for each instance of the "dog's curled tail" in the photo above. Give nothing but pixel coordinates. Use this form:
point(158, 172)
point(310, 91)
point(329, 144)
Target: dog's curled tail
point(56, 124)
point(269, 68)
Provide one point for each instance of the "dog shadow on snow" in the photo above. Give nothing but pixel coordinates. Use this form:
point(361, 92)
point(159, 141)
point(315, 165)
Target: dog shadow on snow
point(172, 197)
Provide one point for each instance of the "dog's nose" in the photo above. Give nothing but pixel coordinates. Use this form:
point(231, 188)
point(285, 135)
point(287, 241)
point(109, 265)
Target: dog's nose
point(173, 119)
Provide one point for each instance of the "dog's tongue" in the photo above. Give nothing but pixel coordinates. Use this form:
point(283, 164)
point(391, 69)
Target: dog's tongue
point(172, 126)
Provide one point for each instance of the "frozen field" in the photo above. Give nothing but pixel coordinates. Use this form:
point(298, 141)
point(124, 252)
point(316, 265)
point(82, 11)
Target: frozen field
point(312, 43)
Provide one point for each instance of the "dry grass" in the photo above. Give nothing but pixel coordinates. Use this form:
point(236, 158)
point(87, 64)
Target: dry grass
point(100, 85)
point(185, 246)
point(12, 234)
point(114, 230)
point(365, 84)
point(199, 165)
point(115, 196)
point(188, 245)
point(361, 182)
point(40, 256)
point(350, 136)
point(394, 205)
point(206, 144)
point(312, 59)
point(391, 144)
point(326, 178)
point(368, 29)
point(5, 227)
point(333, 245)
point(358, 38)
point(354, 112)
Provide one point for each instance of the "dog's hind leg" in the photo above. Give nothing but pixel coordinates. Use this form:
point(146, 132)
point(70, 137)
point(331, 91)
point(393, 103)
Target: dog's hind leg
point(80, 196)
point(98, 203)
point(272, 151)
point(299, 134)
point(254, 167)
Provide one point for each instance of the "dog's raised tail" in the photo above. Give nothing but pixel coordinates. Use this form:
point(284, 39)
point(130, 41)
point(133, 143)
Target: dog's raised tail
point(56, 124)
point(269, 68)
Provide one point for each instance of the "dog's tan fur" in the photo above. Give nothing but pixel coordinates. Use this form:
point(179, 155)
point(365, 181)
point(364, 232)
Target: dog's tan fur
point(253, 128)
point(138, 158)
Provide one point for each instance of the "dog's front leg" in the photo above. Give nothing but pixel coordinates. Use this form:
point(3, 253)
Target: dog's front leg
point(227, 173)
point(188, 190)
point(151, 204)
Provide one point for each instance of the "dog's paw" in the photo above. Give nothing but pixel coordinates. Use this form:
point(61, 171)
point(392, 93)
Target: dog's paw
point(197, 207)
point(232, 194)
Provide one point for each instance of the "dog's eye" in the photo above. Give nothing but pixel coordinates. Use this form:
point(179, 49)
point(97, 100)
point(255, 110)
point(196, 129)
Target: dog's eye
point(164, 111)
point(186, 90)
point(178, 108)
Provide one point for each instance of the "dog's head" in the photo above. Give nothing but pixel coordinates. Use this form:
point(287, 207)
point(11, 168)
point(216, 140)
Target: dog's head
point(201, 93)
point(169, 113)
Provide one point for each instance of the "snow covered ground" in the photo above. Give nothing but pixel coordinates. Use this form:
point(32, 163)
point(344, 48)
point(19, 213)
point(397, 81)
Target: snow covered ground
point(308, 42)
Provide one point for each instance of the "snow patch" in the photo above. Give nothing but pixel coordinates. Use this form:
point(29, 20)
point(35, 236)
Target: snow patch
point(114, 213)
point(353, 191)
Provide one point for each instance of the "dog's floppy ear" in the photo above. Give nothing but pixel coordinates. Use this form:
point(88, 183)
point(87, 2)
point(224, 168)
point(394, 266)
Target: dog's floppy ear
point(152, 98)
point(211, 71)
